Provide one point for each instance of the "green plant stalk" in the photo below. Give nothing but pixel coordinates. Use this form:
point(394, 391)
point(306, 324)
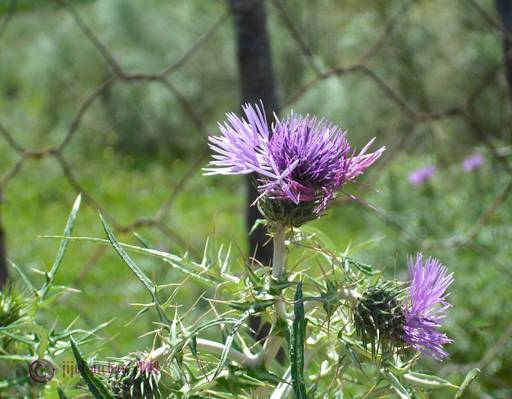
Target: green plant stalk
point(279, 255)
point(279, 266)
point(245, 359)
point(248, 360)
point(273, 342)
point(271, 347)
point(40, 331)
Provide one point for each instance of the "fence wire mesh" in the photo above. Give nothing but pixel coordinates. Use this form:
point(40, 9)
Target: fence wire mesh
point(464, 111)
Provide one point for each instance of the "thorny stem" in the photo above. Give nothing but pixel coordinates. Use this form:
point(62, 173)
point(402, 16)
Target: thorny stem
point(273, 342)
point(248, 360)
point(278, 258)
point(279, 266)
point(270, 348)
point(158, 353)
point(251, 361)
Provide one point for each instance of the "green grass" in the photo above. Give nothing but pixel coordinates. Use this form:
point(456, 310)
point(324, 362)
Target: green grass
point(135, 144)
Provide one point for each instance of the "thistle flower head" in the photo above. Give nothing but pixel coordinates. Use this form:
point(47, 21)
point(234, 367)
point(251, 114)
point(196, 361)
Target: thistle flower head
point(301, 159)
point(473, 162)
point(135, 378)
point(385, 318)
point(421, 175)
point(426, 305)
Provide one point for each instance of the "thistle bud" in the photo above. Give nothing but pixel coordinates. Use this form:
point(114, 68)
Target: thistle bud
point(286, 212)
point(379, 318)
point(12, 306)
point(136, 379)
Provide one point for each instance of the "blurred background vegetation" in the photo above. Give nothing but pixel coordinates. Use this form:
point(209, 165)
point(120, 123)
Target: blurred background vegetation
point(433, 91)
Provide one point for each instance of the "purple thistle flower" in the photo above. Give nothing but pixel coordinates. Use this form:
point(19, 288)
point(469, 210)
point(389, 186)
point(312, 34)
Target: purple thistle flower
point(421, 175)
point(303, 160)
point(472, 162)
point(425, 306)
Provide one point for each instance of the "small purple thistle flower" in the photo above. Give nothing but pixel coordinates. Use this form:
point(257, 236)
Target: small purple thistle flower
point(426, 306)
point(473, 162)
point(303, 160)
point(421, 175)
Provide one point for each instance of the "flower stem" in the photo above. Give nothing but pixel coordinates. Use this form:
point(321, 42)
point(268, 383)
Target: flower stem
point(278, 258)
point(249, 360)
point(158, 353)
point(273, 342)
point(279, 266)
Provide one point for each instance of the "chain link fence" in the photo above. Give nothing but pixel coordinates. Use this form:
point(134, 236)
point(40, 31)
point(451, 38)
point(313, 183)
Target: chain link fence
point(362, 70)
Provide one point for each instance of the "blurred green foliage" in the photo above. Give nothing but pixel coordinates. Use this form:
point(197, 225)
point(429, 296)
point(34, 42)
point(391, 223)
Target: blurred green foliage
point(135, 143)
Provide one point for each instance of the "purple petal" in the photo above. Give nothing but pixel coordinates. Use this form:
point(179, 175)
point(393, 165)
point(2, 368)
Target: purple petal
point(426, 306)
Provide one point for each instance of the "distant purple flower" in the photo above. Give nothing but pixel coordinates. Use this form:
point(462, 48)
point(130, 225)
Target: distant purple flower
point(425, 307)
point(473, 162)
point(421, 175)
point(302, 159)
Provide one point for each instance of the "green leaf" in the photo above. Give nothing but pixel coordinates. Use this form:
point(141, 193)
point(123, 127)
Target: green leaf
point(258, 306)
point(24, 277)
point(179, 263)
point(22, 358)
point(254, 279)
point(258, 223)
point(401, 391)
point(277, 286)
point(135, 269)
point(352, 355)
point(297, 346)
point(126, 258)
point(62, 248)
point(17, 337)
point(15, 382)
point(362, 267)
point(318, 236)
point(193, 346)
point(265, 376)
point(95, 386)
point(61, 393)
point(40, 331)
point(229, 343)
point(142, 240)
point(470, 377)
point(428, 381)
point(177, 348)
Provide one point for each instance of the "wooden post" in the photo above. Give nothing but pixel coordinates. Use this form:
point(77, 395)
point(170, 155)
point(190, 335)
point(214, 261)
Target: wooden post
point(257, 84)
point(504, 8)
